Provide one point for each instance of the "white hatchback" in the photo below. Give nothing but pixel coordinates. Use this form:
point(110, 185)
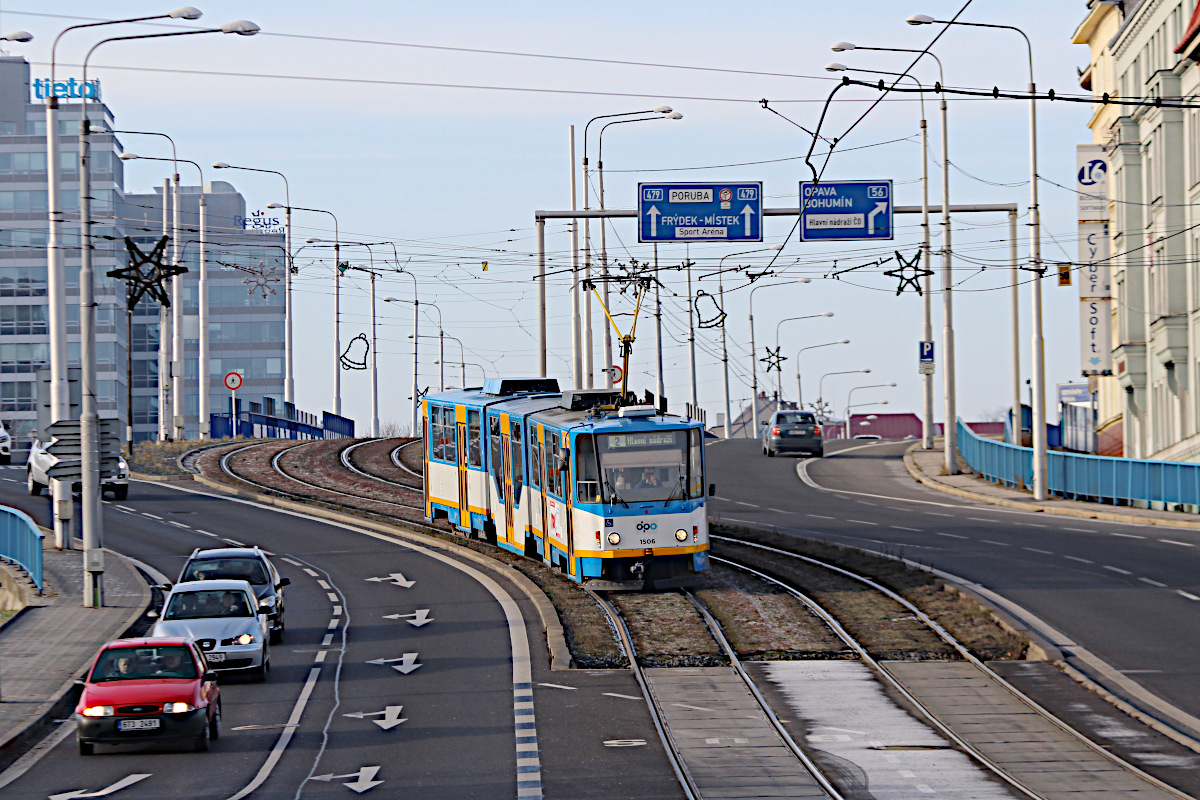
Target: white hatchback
point(226, 621)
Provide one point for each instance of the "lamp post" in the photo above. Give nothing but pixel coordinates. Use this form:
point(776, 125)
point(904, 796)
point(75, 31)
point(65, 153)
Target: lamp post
point(462, 368)
point(603, 227)
point(927, 423)
point(374, 356)
point(753, 356)
point(850, 398)
point(1040, 491)
point(586, 343)
point(178, 370)
point(416, 337)
point(779, 369)
point(860, 405)
point(289, 376)
point(821, 385)
point(93, 531)
point(337, 307)
point(799, 388)
point(480, 367)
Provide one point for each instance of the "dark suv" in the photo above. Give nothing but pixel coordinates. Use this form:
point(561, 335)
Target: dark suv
point(793, 432)
point(249, 564)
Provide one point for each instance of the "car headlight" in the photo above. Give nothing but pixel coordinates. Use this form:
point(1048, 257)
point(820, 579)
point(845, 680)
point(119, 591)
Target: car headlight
point(245, 638)
point(614, 538)
point(177, 708)
point(122, 463)
point(681, 535)
point(98, 711)
point(267, 601)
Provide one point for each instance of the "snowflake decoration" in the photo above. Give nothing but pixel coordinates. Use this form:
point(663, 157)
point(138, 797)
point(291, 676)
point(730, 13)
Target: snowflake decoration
point(260, 280)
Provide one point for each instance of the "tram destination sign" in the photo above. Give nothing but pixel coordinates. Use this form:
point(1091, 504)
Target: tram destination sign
point(840, 211)
point(700, 212)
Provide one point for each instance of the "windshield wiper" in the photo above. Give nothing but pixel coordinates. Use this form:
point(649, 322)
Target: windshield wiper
point(613, 493)
point(679, 487)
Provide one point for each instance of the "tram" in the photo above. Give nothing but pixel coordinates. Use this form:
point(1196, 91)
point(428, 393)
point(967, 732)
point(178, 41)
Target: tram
point(609, 491)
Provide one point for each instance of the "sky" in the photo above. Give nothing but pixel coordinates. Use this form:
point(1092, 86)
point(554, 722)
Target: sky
point(448, 154)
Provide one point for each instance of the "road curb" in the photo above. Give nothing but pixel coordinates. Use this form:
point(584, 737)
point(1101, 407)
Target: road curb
point(64, 698)
point(915, 471)
point(556, 640)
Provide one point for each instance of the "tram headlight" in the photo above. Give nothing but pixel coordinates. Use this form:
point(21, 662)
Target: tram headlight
point(681, 535)
point(614, 538)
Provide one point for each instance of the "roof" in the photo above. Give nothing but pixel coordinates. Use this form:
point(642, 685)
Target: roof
point(1189, 36)
point(224, 584)
point(144, 641)
point(228, 552)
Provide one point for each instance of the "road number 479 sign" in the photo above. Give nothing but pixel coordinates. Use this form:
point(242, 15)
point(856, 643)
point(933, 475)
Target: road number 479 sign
point(233, 381)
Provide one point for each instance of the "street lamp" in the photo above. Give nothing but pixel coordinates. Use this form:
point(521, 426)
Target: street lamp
point(1040, 490)
point(586, 343)
point(289, 377)
point(850, 396)
point(93, 532)
point(668, 114)
point(337, 303)
point(753, 356)
point(821, 386)
point(374, 356)
point(779, 367)
point(799, 387)
point(927, 423)
point(416, 337)
point(55, 269)
point(177, 347)
point(860, 405)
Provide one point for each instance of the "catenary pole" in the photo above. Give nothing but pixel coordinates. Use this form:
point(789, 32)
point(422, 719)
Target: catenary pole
point(576, 333)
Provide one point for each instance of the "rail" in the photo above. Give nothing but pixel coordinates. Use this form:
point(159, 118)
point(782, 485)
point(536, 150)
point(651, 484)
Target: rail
point(21, 542)
point(1076, 476)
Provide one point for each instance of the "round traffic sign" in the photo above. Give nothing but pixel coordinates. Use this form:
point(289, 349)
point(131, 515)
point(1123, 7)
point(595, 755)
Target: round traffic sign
point(233, 381)
point(726, 195)
point(618, 373)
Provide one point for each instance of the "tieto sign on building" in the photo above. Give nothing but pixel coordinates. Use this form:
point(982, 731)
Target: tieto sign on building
point(845, 210)
point(700, 212)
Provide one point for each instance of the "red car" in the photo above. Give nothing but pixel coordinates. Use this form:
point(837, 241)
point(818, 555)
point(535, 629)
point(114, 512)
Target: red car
point(141, 690)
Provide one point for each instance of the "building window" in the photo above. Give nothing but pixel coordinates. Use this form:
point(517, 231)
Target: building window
point(16, 396)
point(145, 410)
point(25, 201)
point(145, 373)
point(23, 357)
point(22, 281)
point(23, 320)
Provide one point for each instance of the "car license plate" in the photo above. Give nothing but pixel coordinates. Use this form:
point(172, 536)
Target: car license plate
point(137, 724)
point(214, 658)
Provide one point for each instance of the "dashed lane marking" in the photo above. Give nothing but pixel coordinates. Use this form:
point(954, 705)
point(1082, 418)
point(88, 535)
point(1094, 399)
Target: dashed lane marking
point(312, 572)
point(320, 657)
point(126, 508)
point(949, 535)
point(1126, 535)
point(558, 686)
point(151, 516)
point(779, 511)
point(1035, 550)
point(1188, 595)
point(1172, 541)
point(179, 524)
point(624, 696)
point(328, 640)
point(206, 533)
point(333, 598)
point(1081, 530)
point(337, 611)
point(749, 505)
point(981, 519)
point(323, 585)
point(333, 623)
point(998, 544)
point(1117, 570)
point(819, 516)
point(234, 542)
point(1153, 583)
point(290, 561)
point(1080, 560)
point(937, 514)
point(1036, 525)
point(902, 528)
point(862, 522)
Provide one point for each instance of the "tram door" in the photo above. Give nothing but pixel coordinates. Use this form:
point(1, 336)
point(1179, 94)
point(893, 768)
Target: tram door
point(537, 513)
point(569, 494)
point(508, 484)
point(464, 507)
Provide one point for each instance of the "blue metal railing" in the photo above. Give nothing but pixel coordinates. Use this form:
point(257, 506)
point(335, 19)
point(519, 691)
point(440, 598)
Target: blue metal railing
point(21, 541)
point(1084, 477)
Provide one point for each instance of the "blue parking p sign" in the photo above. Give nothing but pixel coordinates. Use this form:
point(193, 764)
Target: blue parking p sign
point(845, 211)
point(926, 352)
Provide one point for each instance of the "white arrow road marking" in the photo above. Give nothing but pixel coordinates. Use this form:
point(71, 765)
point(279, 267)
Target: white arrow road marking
point(396, 579)
point(419, 617)
point(408, 662)
point(124, 783)
point(653, 215)
point(391, 716)
point(879, 207)
point(748, 213)
point(363, 779)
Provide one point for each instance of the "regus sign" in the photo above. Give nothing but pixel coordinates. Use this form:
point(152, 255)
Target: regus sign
point(70, 88)
point(260, 222)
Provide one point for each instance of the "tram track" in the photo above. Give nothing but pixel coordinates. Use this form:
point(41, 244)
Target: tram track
point(347, 459)
point(887, 677)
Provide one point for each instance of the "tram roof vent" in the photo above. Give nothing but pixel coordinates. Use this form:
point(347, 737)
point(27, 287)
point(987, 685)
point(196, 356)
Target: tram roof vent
point(587, 399)
point(507, 387)
point(637, 411)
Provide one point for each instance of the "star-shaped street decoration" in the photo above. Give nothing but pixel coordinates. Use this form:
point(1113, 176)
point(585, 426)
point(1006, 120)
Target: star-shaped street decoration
point(147, 274)
point(774, 360)
point(908, 280)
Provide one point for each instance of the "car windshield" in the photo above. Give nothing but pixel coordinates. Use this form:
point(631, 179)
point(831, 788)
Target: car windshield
point(650, 466)
point(250, 570)
point(796, 419)
point(134, 663)
point(208, 603)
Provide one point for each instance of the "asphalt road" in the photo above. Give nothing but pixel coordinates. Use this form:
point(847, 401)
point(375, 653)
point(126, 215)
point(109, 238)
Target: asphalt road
point(457, 740)
point(1129, 594)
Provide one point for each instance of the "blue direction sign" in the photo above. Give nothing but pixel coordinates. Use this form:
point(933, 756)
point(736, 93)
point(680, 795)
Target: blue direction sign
point(845, 210)
point(700, 212)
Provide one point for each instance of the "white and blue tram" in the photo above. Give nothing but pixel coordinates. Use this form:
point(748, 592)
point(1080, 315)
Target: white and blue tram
point(609, 493)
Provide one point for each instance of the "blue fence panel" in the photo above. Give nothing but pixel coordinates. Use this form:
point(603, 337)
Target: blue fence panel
point(21, 541)
point(1077, 475)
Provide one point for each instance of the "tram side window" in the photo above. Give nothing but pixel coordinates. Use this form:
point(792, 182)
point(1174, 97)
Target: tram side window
point(695, 465)
point(435, 431)
point(518, 462)
point(553, 485)
point(587, 478)
point(450, 434)
point(535, 461)
point(496, 454)
point(474, 449)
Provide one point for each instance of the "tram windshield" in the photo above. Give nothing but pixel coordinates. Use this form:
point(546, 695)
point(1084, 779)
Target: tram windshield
point(650, 466)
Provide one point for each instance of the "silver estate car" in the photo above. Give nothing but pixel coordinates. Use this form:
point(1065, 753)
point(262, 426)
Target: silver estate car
point(793, 432)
